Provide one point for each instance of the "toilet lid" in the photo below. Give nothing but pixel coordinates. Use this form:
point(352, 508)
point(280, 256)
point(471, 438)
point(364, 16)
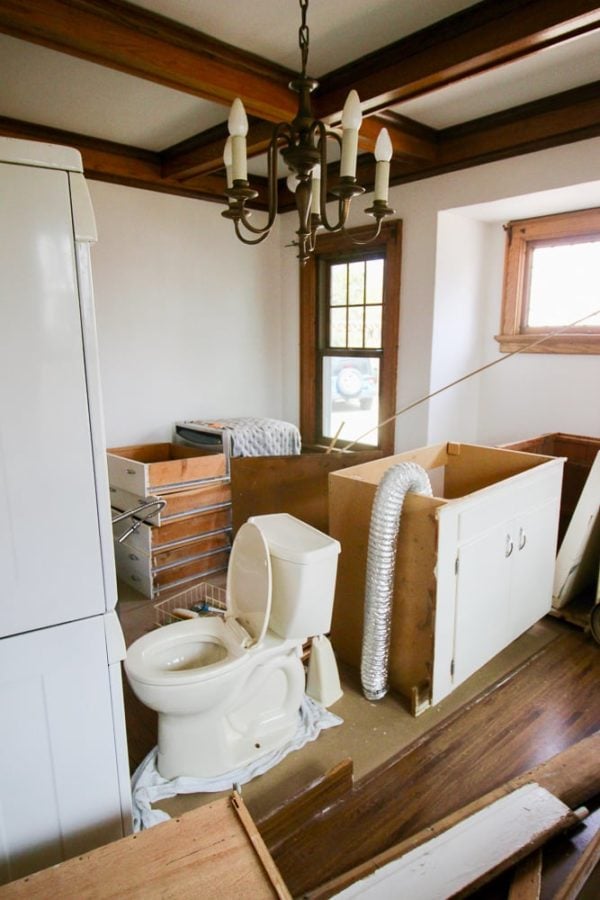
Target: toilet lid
point(249, 581)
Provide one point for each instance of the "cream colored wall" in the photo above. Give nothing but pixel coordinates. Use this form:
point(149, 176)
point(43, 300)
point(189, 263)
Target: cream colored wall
point(450, 296)
point(189, 319)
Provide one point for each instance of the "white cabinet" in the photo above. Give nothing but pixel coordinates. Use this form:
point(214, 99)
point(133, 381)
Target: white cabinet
point(503, 586)
point(474, 563)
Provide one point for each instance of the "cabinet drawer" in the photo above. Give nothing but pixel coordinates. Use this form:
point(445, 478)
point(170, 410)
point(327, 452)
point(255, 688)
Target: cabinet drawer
point(178, 505)
point(133, 568)
point(204, 565)
point(160, 468)
point(499, 502)
point(191, 549)
point(148, 539)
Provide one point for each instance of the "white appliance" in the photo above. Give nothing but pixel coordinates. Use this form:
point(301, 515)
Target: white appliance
point(64, 780)
point(228, 690)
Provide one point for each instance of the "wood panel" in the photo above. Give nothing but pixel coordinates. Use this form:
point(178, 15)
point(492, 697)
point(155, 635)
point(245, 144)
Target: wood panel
point(292, 484)
point(547, 706)
point(209, 852)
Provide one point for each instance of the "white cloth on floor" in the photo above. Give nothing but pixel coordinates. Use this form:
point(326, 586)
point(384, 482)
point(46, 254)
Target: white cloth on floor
point(147, 786)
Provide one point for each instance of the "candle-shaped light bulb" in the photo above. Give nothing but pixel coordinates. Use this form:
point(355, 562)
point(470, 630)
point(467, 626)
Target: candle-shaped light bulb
point(383, 155)
point(238, 129)
point(351, 122)
point(315, 206)
point(228, 160)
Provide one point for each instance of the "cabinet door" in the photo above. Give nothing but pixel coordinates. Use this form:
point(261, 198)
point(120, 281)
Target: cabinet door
point(50, 557)
point(533, 566)
point(59, 790)
point(482, 615)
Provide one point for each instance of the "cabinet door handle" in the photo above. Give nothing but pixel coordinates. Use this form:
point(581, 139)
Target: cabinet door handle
point(509, 546)
point(522, 538)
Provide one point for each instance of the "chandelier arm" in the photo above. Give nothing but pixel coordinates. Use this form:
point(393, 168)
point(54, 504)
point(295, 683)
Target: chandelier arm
point(343, 207)
point(368, 240)
point(281, 130)
point(245, 240)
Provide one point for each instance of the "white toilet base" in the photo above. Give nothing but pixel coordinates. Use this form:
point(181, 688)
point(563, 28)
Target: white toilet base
point(263, 716)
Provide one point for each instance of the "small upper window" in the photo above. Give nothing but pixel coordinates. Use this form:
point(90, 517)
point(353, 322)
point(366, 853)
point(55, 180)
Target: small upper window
point(552, 284)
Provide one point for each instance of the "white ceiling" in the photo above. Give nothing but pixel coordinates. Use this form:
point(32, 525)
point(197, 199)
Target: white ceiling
point(60, 91)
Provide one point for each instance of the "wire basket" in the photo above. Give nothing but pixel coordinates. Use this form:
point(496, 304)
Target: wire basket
point(202, 598)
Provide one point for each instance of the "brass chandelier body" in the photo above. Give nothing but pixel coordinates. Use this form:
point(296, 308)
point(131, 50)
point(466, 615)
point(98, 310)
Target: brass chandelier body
point(303, 146)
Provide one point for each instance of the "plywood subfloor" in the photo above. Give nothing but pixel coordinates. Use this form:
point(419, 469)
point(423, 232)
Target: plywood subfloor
point(371, 733)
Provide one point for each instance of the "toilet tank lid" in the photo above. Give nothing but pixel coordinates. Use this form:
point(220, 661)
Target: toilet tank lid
point(293, 540)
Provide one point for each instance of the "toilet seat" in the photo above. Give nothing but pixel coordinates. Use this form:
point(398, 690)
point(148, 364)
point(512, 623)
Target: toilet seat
point(167, 656)
point(249, 585)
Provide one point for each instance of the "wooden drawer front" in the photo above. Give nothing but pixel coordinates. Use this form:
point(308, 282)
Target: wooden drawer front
point(508, 498)
point(180, 553)
point(178, 505)
point(189, 503)
point(209, 562)
point(191, 527)
point(161, 468)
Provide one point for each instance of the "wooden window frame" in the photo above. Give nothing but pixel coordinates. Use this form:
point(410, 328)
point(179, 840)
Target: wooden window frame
point(522, 237)
point(328, 245)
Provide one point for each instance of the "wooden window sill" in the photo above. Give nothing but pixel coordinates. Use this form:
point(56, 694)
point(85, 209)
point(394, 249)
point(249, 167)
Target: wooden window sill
point(560, 343)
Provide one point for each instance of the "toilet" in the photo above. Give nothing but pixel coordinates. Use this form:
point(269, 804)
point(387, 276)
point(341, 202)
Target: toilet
point(228, 689)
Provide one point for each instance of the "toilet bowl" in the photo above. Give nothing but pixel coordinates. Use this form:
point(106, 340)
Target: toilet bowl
point(229, 689)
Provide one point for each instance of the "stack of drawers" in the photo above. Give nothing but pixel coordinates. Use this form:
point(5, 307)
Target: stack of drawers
point(190, 537)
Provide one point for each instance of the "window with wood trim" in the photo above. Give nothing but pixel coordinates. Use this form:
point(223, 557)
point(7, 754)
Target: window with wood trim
point(552, 284)
point(350, 300)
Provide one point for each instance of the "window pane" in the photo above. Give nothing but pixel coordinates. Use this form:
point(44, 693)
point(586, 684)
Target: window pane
point(374, 293)
point(373, 326)
point(337, 326)
point(338, 282)
point(350, 398)
point(564, 285)
point(356, 317)
point(356, 282)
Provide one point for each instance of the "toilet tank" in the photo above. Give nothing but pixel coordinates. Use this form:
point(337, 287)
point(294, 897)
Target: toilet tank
point(304, 566)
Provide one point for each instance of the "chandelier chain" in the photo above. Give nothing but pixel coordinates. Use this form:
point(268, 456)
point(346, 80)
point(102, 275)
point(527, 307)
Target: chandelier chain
point(303, 35)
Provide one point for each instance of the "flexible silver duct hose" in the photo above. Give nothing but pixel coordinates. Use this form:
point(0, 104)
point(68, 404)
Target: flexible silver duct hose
point(381, 561)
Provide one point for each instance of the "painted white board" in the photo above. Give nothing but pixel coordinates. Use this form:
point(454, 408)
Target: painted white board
point(577, 558)
point(452, 861)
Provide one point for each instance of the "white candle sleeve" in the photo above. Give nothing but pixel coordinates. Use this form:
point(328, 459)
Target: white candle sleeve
point(239, 169)
point(382, 179)
point(349, 150)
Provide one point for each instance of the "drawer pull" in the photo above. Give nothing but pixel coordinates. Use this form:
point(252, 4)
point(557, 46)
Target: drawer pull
point(509, 546)
point(133, 557)
point(522, 538)
point(130, 471)
point(135, 578)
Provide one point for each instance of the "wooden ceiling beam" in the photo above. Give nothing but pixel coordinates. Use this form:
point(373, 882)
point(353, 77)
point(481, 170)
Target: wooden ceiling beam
point(121, 36)
point(475, 40)
point(121, 164)
point(203, 153)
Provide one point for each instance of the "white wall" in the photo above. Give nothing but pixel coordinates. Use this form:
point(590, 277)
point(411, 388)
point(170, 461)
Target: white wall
point(189, 322)
point(444, 309)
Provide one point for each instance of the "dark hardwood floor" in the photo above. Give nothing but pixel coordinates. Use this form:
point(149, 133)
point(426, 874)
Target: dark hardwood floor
point(549, 704)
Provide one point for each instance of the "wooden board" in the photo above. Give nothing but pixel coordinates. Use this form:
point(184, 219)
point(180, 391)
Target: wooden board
point(291, 484)
point(577, 560)
point(204, 853)
point(471, 852)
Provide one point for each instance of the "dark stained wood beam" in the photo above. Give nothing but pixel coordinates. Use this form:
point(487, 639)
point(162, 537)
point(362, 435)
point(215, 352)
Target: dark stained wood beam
point(121, 36)
point(203, 153)
point(410, 140)
point(121, 164)
point(561, 119)
point(475, 40)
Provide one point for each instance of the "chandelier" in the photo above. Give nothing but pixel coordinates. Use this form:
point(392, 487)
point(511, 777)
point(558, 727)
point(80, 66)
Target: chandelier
point(303, 146)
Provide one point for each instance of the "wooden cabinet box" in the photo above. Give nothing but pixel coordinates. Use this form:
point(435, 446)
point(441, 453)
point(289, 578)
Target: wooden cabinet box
point(145, 469)
point(474, 563)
